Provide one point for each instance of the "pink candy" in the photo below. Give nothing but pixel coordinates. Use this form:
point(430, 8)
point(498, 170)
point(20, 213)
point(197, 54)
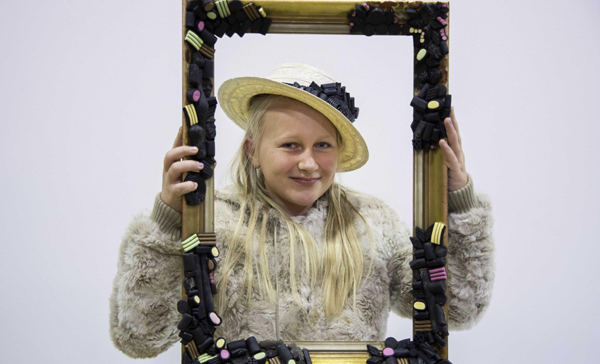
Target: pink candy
point(443, 34)
point(388, 352)
point(437, 278)
point(442, 21)
point(200, 25)
point(366, 6)
point(437, 270)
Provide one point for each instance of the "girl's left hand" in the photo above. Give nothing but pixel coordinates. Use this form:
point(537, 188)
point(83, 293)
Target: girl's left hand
point(453, 154)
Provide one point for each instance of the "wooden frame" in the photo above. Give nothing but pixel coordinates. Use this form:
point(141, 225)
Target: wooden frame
point(429, 170)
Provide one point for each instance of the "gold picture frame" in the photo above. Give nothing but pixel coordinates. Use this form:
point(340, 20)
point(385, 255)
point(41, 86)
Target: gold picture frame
point(429, 170)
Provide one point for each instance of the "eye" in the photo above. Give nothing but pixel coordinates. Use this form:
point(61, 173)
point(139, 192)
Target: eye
point(323, 145)
point(288, 145)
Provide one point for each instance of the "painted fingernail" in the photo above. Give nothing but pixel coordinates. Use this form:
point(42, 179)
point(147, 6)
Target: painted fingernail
point(200, 165)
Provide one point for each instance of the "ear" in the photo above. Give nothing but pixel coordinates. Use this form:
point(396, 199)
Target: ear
point(249, 148)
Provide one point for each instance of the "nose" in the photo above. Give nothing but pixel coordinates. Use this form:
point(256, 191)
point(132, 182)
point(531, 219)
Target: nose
point(307, 163)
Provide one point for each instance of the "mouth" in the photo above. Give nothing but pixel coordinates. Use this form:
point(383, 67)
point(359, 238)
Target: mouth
point(305, 179)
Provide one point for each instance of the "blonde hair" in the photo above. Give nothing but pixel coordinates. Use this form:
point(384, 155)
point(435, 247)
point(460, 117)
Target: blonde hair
point(340, 269)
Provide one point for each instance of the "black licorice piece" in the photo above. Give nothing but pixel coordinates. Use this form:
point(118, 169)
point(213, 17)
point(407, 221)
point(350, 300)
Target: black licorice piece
point(429, 251)
point(423, 92)
point(244, 27)
point(373, 351)
point(198, 335)
point(210, 148)
point(395, 29)
point(208, 5)
point(389, 16)
point(284, 354)
point(381, 29)
point(187, 337)
point(419, 104)
point(437, 287)
point(240, 16)
point(443, 47)
point(418, 264)
point(420, 129)
point(208, 37)
point(182, 306)
point(432, 117)
point(232, 29)
point(369, 30)
point(211, 129)
point(209, 69)
point(448, 101)
point(190, 19)
point(252, 345)
point(200, 284)
point(239, 352)
point(264, 28)
point(375, 16)
point(234, 345)
point(307, 358)
point(360, 11)
point(441, 251)
point(419, 253)
point(204, 346)
point(235, 5)
point(416, 242)
point(421, 315)
point(436, 263)
point(255, 27)
point(391, 342)
point(189, 263)
point(418, 285)
point(391, 360)
point(427, 132)
point(401, 352)
point(435, 136)
point(194, 75)
point(221, 29)
point(185, 322)
point(434, 75)
point(199, 59)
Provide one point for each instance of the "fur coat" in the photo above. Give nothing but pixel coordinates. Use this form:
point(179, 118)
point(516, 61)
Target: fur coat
point(148, 284)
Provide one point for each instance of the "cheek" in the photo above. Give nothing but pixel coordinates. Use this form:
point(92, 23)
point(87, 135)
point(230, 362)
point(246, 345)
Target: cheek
point(328, 163)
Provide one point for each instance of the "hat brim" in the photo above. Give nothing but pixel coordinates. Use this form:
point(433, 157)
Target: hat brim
point(234, 98)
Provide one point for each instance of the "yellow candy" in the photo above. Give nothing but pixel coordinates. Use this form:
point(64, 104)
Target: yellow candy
point(220, 343)
point(419, 305)
point(197, 299)
point(215, 252)
point(433, 105)
point(421, 54)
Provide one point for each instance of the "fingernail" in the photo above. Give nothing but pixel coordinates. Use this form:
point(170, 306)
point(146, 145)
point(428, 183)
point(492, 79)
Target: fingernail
point(194, 149)
point(200, 165)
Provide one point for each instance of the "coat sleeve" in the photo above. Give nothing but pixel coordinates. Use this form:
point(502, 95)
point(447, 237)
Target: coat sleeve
point(470, 259)
point(147, 286)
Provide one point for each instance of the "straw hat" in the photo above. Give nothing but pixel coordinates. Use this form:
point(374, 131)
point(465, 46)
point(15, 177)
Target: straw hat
point(234, 97)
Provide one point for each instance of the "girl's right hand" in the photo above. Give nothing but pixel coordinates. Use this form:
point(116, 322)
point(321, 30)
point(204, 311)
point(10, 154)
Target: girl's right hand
point(172, 187)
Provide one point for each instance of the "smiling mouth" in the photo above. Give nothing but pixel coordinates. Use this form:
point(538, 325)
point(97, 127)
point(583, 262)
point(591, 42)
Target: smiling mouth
point(305, 179)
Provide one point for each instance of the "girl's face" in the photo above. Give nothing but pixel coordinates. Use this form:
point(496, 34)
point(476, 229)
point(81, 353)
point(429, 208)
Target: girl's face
point(298, 154)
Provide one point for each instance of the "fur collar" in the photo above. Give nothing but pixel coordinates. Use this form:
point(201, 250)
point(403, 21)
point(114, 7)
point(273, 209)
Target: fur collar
point(318, 211)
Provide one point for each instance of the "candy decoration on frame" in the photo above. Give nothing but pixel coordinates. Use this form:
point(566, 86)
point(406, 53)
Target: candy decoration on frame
point(426, 24)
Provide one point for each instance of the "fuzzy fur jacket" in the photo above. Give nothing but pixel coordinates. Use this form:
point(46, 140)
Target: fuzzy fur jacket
point(148, 284)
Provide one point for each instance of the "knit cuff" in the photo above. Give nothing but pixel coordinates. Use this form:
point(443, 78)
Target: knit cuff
point(464, 199)
point(168, 219)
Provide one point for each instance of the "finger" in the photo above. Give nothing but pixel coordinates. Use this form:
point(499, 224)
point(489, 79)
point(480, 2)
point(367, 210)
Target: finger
point(178, 168)
point(455, 123)
point(182, 188)
point(453, 140)
point(449, 156)
point(178, 139)
point(176, 154)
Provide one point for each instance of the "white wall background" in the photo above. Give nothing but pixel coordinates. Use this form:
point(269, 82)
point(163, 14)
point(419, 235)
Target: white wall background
point(90, 103)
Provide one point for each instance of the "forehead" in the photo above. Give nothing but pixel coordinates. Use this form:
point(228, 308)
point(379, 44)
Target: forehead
point(289, 117)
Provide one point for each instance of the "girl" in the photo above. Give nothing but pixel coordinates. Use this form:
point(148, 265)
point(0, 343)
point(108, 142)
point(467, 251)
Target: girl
point(302, 257)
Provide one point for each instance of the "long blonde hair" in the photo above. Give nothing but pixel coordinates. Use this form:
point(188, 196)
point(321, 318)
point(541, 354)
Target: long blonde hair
point(341, 268)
